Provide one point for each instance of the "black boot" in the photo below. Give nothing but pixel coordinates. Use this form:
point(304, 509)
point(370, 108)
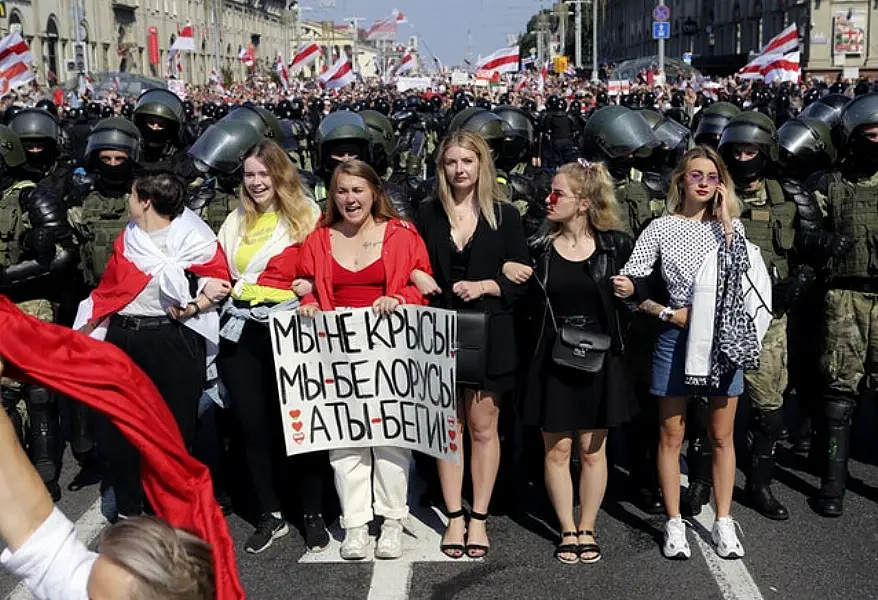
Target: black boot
point(11, 398)
point(82, 442)
point(699, 459)
point(802, 441)
point(642, 438)
point(839, 411)
point(766, 430)
point(44, 436)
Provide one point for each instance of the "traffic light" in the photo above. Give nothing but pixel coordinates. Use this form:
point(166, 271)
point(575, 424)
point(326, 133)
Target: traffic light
point(79, 56)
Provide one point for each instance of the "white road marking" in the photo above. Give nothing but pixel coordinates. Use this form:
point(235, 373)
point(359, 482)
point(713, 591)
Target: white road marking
point(88, 527)
point(732, 576)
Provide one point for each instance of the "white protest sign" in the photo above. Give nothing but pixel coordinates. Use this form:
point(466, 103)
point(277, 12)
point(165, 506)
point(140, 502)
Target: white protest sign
point(178, 86)
point(352, 378)
point(459, 78)
point(413, 83)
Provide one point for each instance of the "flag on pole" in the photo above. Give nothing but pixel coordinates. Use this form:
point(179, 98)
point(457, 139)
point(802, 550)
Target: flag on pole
point(382, 30)
point(282, 72)
point(15, 63)
point(339, 74)
point(185, 39)
point(388, 70)
point(409, 62)
point(175, 63)
point(306, 55)
point(399, 17)
point(504, 60)
point(248, 56)
point(544, 73)
point(786, 41)
point(783, 68)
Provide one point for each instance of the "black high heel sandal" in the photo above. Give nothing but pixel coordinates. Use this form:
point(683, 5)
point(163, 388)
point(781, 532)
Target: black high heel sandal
point(477, 550)
point(454, 551)
point(563, 548)
point(589, 548)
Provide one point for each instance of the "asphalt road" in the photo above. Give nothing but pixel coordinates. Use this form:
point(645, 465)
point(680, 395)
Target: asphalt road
point(805, 557)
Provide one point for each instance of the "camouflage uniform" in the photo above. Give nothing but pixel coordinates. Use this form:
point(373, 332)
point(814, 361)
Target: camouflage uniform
point(98, 222)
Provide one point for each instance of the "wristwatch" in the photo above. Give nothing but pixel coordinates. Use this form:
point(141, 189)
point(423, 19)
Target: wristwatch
point(667, 314)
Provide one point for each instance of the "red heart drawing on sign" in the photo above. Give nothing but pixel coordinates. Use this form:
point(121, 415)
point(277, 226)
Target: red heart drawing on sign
point(453, 353)
point(295, 413)
point(329, 381)
point(299, 438)
point(376, 420)
point(321, 334)
point(297, 426)
point(452, 434)
point(453, 447)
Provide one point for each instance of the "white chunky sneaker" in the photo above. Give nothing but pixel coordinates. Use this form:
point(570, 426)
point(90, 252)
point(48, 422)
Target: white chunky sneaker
point(676, 546)
point(390, 541)
point(726, 539)
point(356, 540)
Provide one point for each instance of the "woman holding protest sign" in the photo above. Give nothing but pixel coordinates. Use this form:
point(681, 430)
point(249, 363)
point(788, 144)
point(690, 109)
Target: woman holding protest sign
point(471, 233)
point(364, 256)
point(262, 240)
point(574, 402)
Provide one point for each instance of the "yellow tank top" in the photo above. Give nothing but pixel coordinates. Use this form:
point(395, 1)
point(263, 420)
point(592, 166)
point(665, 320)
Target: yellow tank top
point(256, 237)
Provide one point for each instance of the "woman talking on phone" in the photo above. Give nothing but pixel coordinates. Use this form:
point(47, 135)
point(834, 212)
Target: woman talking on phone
point(702, 215)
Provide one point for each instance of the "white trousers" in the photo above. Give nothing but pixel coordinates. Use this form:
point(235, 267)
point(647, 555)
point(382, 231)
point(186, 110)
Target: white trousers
point(356, 480)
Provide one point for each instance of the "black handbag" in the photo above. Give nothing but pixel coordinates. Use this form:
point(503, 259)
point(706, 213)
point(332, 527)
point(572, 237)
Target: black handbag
point(578, 346)
point(472, 339)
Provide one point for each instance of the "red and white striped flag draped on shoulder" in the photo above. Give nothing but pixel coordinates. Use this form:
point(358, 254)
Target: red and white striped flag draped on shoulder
point(103, 377)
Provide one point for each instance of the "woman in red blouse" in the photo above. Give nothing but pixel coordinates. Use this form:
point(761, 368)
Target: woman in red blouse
point(364, 255)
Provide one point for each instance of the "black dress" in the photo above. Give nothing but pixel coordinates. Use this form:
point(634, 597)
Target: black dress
point(561, 399)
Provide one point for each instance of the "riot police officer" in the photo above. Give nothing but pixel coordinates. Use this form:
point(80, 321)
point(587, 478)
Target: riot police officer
point(37, 261)
point(40, 135)
point(711, 122)
point(749, 145)
point(558, 134)
point(219, 156)
point(849, 197)
point(159, 116)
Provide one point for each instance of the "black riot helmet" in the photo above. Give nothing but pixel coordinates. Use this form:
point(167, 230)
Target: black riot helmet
point(35, 124)
point(162, 107)
point(398, 105)
point(265, 123)
point(11, 149)
point(483, 122)
point(810, 97)
point(669, 132)
point(483, 103)
point(827, 109)
point(127, 110)
point(10, 112)
point(555, 102)
point(48, 106)
point(602, 99)
point(223, 145)
point(297, 106)
point(750, 128)
point(106, 111)
point(281, 109)
point(530, 106)
point(519, 138)
point(862, 111)
point(713, 120)
point(382, 105)
point(188, 109)
point(436, 103)
point(615, 132)
point(113, 133)
point(342, 132)
point(575, 108)
point(805, 147)
point(221, 112)
point(383, 142)
point(208, 110)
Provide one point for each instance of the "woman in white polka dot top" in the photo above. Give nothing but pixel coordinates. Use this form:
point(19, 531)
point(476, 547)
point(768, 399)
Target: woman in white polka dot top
point(702, 209)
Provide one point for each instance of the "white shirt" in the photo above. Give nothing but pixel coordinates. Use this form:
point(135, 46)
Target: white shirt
point(53, 563)
point(149, 302)
point(680, 245)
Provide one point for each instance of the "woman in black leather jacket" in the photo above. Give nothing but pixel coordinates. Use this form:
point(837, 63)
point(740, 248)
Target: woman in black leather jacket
point(575, 257)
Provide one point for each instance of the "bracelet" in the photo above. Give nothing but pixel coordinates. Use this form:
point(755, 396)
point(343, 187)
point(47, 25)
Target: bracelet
point(197, 308)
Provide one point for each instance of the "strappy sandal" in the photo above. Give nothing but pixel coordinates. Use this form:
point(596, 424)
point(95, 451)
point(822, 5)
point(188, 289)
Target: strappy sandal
point(561, 549)
point(477, 550)
point(592, 549)
point(454, 551)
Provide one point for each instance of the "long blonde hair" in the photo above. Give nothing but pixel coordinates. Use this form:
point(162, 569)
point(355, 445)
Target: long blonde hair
point(676, 195)
point(295, 210)
point(487, 189)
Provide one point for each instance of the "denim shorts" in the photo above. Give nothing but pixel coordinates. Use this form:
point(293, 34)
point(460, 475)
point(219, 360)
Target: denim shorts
point(669, 369)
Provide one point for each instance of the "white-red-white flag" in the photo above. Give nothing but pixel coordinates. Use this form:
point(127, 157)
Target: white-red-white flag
point(339, 74)
point(185, 39)
point(247, 56)
point(504, 60)
point(544, 73)
point(389, 70)
point(786, 67)
point(382, 30)
point(16, 61)
point(306, 55)
point(399, 17)
point(409, 62)
point(282, 72)
point(784, 42)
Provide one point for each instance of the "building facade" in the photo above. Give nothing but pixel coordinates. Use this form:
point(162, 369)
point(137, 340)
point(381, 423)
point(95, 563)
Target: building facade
point(136, 35)
point(723, 34)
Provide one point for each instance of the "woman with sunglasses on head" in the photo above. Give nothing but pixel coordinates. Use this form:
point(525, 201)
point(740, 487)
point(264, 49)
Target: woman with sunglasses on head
point(578, 251)
point(703, 211)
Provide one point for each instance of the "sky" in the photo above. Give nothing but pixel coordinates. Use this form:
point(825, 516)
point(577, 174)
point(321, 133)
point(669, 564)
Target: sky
point(442, 24)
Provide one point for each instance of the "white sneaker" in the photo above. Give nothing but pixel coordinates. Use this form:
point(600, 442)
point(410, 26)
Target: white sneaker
point(726, 539)
point(356, 540)
point(390, 541)
point(676, 545)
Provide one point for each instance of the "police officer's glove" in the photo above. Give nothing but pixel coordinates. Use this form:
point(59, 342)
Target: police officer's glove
point(81, 184)
point(200, 196)
point(787, 292)
point(40, 242)
point(839, 245)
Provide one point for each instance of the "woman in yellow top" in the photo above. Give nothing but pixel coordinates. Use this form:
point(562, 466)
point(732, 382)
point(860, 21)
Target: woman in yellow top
point(262, 240)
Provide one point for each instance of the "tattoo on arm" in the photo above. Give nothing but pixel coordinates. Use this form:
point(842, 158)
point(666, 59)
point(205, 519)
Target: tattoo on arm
point(650, 307)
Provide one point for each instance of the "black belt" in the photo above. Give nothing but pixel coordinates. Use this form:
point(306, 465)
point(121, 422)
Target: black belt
point(246, 304)
point(138, 323)
point(864, 285)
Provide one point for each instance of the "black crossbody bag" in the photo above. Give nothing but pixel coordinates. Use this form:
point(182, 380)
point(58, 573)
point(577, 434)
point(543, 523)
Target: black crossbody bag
point(472, 339)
